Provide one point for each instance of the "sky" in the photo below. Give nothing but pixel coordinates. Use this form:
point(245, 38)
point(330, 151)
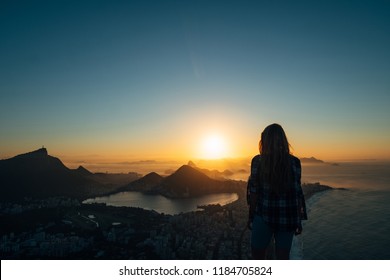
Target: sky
point(133, 80)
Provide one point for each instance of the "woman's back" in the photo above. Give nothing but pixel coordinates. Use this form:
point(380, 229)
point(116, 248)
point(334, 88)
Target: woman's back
point(280, 209)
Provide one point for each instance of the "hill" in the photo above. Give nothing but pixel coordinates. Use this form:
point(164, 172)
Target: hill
point(214, 174)
point(144, 184)
point(189, 182)
point(185, 182)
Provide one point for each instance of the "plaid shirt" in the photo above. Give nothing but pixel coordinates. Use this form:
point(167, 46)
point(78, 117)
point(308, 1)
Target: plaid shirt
point(284, 211)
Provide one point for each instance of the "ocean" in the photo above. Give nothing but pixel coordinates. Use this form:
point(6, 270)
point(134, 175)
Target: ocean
point(351, 224)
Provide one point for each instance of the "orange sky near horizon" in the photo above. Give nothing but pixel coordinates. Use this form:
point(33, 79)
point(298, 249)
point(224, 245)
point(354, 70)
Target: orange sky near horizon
point(193, 146)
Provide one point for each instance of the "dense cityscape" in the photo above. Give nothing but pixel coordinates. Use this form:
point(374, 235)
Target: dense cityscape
point(63, 228)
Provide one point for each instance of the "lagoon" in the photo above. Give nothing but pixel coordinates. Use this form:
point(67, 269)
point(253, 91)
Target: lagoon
point(163, 204)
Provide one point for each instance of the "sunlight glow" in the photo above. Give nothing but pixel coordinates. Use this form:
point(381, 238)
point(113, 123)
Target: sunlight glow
point(214, 147)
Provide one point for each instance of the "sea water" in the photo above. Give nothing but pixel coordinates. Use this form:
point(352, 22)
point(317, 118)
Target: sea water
point(348, 224)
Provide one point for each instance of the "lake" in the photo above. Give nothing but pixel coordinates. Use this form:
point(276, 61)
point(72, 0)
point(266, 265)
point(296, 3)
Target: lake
point(162, 204)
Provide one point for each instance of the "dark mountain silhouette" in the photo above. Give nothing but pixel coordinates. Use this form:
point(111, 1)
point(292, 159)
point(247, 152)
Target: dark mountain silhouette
point(184, 182)
point(39, 175)
point(189, 182)
point(214, 174)
point(145, 184)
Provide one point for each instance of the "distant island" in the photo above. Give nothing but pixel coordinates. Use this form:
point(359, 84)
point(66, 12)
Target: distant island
point(313, 160)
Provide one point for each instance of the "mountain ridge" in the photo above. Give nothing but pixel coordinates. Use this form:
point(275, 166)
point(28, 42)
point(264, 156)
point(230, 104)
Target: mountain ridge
point(36, 174)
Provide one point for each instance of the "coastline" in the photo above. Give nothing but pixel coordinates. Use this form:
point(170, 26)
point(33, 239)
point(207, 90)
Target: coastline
point(310, 189)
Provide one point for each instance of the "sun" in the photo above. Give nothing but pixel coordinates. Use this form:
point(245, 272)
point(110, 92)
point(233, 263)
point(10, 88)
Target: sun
point(214, 147)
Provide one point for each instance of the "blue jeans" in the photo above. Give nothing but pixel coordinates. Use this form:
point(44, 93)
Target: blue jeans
point(262, 234)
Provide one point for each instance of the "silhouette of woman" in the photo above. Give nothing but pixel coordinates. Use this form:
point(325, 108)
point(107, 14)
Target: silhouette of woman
point(275, 197)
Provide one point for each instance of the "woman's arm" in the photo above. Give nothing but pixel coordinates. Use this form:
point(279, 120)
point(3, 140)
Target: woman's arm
point(253, 185)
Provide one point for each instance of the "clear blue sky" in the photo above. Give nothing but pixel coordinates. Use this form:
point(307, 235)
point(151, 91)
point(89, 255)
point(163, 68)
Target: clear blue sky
point(144, 79)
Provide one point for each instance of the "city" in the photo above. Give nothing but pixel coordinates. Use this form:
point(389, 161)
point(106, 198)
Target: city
point(63, 228)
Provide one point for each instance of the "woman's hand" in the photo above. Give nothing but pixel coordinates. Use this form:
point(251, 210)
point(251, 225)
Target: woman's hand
point(298, 230)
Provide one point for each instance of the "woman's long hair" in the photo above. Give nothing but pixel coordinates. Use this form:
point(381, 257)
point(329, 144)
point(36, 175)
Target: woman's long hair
point(275, 166)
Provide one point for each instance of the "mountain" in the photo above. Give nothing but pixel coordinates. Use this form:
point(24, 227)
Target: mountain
point(189, 182)
point(185, 182)
point(144, 184)
point(38, 175)
point(214, 174)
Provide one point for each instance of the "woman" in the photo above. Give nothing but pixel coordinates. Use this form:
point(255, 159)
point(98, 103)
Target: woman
point(275, 197)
